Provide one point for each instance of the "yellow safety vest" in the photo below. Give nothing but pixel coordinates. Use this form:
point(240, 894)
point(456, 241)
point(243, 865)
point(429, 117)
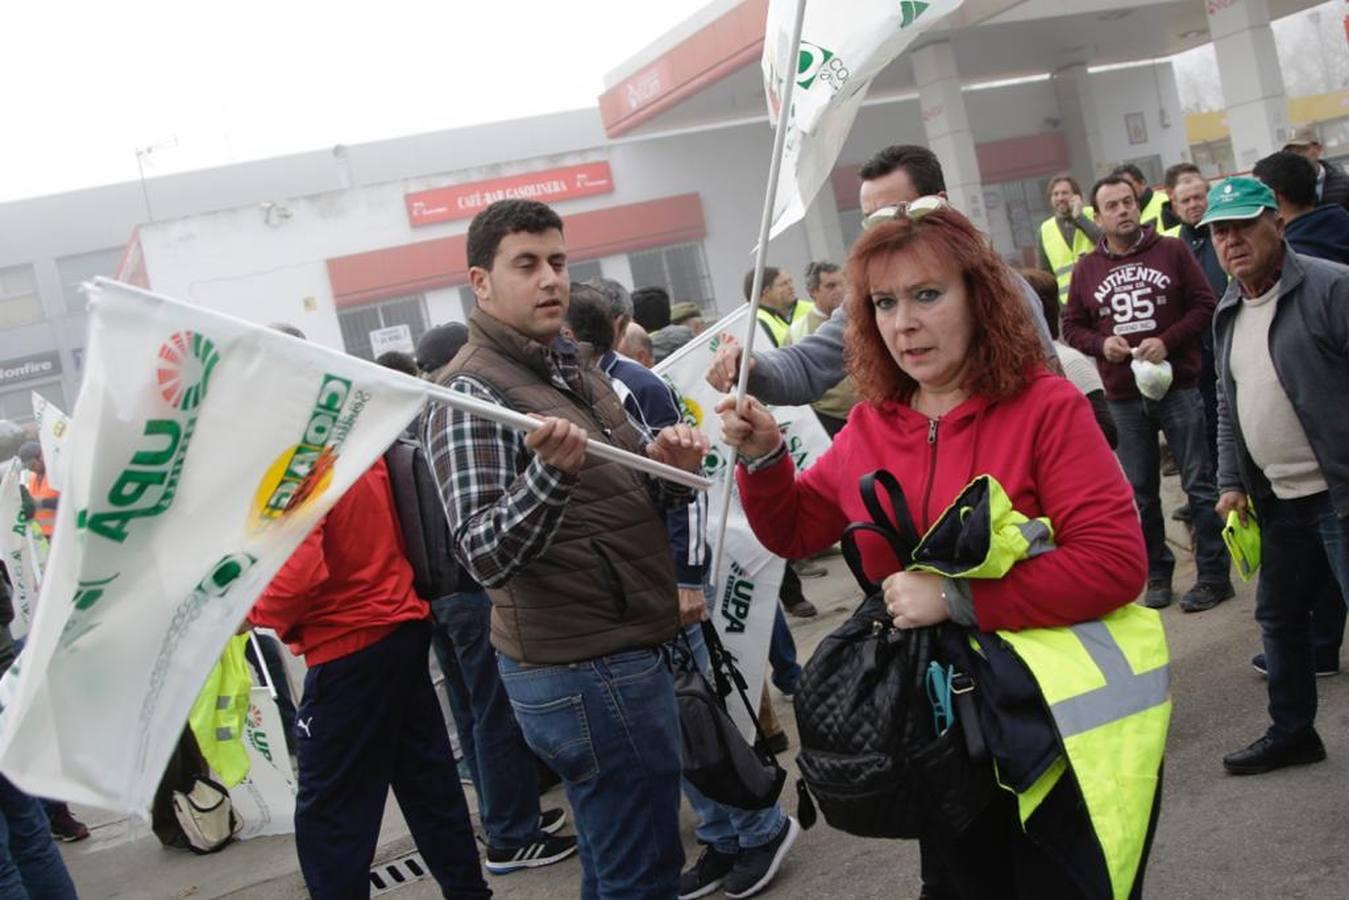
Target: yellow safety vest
point(1062, 257)
point(217, 717)
point(778, 328)
point(1106, 682)
point(1152, 214)
point(1107, 685)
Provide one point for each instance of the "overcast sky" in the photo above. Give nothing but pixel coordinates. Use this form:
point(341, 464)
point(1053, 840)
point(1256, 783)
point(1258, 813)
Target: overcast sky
point(84, 84)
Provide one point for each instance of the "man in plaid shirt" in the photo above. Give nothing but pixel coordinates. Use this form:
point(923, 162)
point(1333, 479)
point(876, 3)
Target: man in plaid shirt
point(573, 552)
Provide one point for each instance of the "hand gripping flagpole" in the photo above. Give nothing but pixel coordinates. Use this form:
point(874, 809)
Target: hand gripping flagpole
point(760, 255)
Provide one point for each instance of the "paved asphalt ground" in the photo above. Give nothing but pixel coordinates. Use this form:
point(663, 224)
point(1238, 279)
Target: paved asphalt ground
point(1280, 835)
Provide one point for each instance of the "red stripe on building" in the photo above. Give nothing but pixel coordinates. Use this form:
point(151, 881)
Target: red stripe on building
point(427, 265)
point(708, 55)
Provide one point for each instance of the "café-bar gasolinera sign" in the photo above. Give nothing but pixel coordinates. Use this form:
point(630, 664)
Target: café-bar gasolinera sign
point(464, 201)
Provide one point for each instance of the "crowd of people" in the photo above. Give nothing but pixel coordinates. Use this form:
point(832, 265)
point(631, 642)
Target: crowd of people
point(1213, 316)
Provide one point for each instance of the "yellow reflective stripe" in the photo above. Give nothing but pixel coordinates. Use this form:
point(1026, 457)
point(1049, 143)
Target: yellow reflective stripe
point(1064, 270)
point(1123, 694)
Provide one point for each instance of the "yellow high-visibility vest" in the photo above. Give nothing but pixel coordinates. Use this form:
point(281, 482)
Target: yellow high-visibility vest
point(779, 329)
point(1152, 213)
point(1062, 257)
point(1107, 685)
point(1106, 682)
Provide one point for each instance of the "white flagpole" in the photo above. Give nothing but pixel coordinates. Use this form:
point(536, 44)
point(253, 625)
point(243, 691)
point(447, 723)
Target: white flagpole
point(760, 255)
point(262, 662)
point(520, 422)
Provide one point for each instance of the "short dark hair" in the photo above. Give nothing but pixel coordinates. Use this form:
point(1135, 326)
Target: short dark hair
point(589, 319)
point(770, 275)
point(1046, 287)
point(398, 361)
point(651, 307)
point(287, 328)
point(817, 270)
point(1112, 178)
point(921, 163)
point(617, 296)
point(1290, 175)
point(1179, 171)
point(503, 218)
point(1131, 171)
point(1072, 183)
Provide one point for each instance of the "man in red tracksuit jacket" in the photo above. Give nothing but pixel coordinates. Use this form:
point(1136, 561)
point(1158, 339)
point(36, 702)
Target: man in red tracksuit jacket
point(1140, 295)
point(369, 718)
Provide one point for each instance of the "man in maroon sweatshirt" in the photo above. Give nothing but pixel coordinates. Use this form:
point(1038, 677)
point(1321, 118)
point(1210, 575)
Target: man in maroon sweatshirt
point(1140, 295)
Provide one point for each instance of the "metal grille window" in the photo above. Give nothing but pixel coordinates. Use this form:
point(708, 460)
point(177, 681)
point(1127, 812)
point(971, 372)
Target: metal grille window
point(358, 322)
point(681, 269)
point(19, 301)
point(76, 269)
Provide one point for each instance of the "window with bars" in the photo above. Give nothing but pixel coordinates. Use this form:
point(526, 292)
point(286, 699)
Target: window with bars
point(681, 269)
point(19, 301)
point(75, 270)
point(358, 322)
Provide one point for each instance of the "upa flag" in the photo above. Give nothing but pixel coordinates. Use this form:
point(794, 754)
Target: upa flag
point(844, 45)
point(18, 550)
point(265, 800)
point(52, 428)
point(748, 577)
point(206, 449)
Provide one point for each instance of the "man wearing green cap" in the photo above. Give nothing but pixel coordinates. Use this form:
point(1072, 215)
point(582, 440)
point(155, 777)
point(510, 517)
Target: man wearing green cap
point(1281, 335)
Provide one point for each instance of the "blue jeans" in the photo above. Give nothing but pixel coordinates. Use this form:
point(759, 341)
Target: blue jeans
point(609, 727)
point(786, 672)
point(726, 829)
point(30, 864)
point(1180, 416)
point(1304, 555)
point(500, 764)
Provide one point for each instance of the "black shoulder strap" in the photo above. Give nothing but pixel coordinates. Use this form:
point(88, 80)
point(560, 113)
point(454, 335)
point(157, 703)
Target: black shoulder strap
point(896, 530)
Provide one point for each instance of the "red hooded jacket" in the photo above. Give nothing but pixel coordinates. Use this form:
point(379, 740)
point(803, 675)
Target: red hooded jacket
point(349, 584)
point(1156, 289)
point(1044, 448)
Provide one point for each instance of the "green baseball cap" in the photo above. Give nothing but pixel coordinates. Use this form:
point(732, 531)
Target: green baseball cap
point(1237, 199)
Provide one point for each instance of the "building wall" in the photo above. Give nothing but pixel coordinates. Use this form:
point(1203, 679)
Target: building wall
point(254, 240)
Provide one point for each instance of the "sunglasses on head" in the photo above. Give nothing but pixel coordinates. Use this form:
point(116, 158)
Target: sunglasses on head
point(914, 209)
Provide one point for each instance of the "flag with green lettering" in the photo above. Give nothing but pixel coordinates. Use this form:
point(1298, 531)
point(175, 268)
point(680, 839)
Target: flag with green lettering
point(844, 45)
point(201, 452)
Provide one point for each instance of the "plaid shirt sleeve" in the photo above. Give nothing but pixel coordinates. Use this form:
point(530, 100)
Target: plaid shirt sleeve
point(503, 504)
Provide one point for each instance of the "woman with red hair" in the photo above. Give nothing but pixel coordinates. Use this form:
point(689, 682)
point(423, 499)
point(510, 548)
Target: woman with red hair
point(954, 386)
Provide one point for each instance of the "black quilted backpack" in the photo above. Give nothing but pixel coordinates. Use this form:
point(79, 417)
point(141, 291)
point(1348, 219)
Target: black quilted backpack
point(870, 755)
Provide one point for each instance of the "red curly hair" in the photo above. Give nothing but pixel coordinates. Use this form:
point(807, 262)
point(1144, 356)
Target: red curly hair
point(1005, 348)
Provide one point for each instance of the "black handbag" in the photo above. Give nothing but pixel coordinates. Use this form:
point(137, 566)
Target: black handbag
point(871, 757)
point(716, 758)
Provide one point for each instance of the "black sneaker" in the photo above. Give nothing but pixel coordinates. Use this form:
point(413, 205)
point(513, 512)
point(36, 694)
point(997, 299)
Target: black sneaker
point(543, 851)
point(755, 869)
point(1324, 668)
point(552, 820)
point(1158, 595)
point(801, 609)
point(1205, 595)
point(1183, 514)
point(705, 875)
point(1267, 754)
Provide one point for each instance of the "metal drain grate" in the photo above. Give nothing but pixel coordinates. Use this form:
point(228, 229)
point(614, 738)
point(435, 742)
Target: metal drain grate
point(396, 873)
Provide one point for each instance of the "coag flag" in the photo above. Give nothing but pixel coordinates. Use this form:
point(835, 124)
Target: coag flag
point(18, 549)
point(204, 449)
point(749, 576)
point(265, 800)
point(844, 45)
point(52, 428)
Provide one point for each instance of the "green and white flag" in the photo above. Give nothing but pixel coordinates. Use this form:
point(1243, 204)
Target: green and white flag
point(844, 45)
point(749, 576)
point(265, 799)
point(18, 549)
point(52, 428)
point(204, 449)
